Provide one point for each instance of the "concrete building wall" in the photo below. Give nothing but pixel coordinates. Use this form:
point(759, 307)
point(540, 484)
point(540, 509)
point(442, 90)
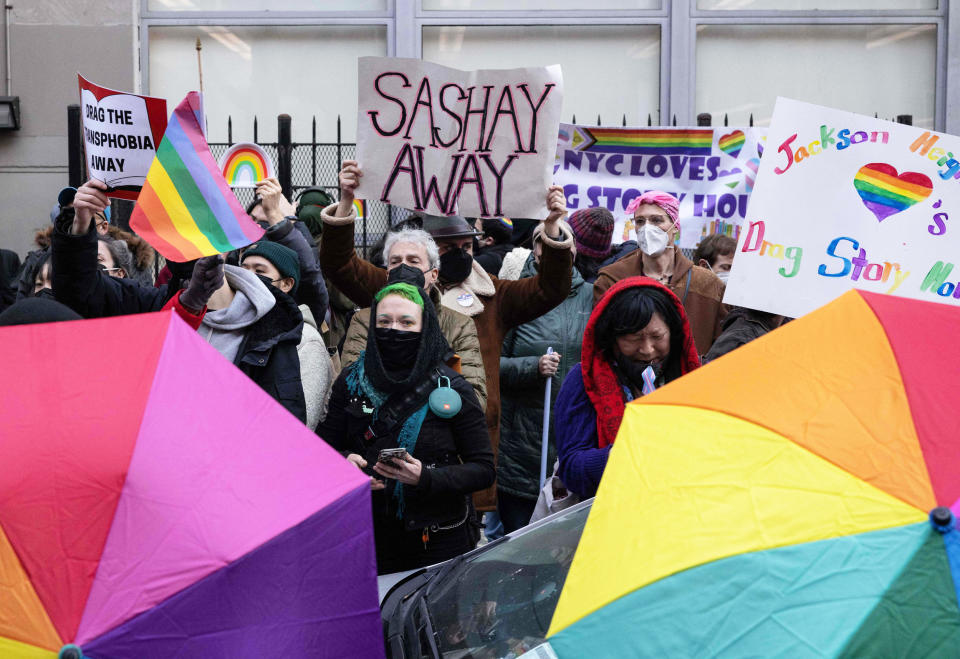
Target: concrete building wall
point(50, 41)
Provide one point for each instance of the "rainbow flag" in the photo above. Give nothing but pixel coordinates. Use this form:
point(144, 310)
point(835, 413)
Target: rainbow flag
point(186, 209)
point(690, 141)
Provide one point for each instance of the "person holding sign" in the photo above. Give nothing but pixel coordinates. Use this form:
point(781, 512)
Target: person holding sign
point(655, 215)
point(637, 339)
point(254, 326)
point(495, 305)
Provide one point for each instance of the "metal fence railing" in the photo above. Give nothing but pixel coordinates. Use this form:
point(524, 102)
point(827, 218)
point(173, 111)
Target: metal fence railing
point(304, 164)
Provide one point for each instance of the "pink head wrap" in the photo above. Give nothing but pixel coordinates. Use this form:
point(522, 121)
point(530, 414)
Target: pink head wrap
point(664, 200)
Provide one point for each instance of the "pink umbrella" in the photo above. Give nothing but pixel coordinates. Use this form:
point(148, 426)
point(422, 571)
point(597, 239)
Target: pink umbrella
point(154, 502)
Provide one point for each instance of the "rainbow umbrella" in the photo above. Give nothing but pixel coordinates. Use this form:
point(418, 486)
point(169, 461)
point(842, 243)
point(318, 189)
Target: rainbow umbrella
point(155, 502)
point(777, 502)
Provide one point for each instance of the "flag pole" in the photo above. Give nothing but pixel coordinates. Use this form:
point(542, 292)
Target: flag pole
point(200, 63)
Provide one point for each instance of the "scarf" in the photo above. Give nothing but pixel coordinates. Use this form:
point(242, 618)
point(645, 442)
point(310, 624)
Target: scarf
point(600, 381)
point(370, 378)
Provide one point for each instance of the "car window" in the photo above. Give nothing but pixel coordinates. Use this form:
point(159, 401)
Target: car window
point(499, 604)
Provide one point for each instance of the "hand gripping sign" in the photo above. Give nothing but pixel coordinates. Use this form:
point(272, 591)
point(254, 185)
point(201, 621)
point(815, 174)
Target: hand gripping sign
point(443, 141)
point(121, 132)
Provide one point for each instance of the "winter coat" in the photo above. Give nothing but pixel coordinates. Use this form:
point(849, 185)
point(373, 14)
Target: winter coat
point(267, 354)
point(456, 454)
point(702, 300)
point(457, 329)
point(522, 387)
point(312, 290)
point(495, 305)
point(491, 258)
point(584, 439)
point(738, 328)
point(316, 369)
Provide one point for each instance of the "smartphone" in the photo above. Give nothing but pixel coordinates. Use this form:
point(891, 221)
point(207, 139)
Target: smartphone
point(388, 455)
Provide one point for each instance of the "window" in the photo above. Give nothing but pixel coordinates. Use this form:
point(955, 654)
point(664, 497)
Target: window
point(528, 5)
point(608, 70)
point(263, 71)
point(884, 69)
point(265, 5)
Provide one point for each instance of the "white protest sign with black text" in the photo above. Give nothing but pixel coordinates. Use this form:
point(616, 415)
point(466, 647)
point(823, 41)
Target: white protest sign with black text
point(846, 201)
point(120, 133)
point(444, 141)
point(709, 170)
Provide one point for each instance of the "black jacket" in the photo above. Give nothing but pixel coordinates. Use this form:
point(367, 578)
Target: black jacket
point(456, 454)
point(491, 258)
point(268, 354)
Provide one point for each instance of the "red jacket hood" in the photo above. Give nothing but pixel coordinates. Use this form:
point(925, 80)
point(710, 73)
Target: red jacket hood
point(599, 380)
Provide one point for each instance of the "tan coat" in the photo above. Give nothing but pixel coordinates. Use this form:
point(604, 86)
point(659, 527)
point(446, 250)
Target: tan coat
point(457, 329)
point(495, 305)
point(702, 302)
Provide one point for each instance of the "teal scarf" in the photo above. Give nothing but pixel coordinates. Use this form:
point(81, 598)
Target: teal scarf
point(357, 384)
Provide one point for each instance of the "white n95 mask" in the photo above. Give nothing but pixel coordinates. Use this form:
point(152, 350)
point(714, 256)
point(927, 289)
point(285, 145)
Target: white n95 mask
point(653, 240)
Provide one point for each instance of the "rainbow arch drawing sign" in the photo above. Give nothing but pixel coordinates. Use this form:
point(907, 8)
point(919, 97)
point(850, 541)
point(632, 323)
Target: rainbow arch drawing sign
point(244, 164)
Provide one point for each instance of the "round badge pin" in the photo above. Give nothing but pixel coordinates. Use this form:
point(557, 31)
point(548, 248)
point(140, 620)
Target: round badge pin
point(465, 299)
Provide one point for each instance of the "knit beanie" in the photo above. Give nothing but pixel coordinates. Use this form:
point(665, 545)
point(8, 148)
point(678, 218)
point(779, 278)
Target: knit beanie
point(284, 259)
point(309, 207)
point(592, 231)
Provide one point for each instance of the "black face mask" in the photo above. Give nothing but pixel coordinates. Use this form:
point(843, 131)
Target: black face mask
point(398, 348)
point(406, 274)
point(455, 265)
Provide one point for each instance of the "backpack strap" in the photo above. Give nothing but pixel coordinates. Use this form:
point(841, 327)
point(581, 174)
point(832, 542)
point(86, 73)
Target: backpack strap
point(395, 411)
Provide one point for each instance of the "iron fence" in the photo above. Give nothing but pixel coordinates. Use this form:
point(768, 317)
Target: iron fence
point(302, 165)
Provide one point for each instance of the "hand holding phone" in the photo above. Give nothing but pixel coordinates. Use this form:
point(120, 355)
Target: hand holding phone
point(389, 455)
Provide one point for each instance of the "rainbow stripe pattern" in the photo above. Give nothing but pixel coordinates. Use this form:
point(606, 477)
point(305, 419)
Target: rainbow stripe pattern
point(690, 141)
point(731, 143)
point(186, 209)
point(244, 164)
point(719, 226)
point(885, 193)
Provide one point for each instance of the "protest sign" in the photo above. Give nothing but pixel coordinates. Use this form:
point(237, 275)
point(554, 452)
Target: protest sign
point(121, 132)
point(846, 201)
point(443, 141)
point(710, 170)
point(244, 164)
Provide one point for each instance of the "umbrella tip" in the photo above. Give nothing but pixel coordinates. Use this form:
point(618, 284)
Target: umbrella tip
point(942, 519)
point(70, 651)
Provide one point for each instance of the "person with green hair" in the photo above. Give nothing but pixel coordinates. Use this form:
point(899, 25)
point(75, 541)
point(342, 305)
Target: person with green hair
point(400, 394)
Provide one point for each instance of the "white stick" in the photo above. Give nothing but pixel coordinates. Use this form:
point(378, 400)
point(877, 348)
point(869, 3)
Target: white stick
point(544, 448)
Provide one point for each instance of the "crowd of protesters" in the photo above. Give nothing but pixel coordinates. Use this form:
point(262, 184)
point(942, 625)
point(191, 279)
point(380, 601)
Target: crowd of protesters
point(476, 314)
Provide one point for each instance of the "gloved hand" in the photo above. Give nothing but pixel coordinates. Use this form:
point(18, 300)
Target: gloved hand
point(206, 279)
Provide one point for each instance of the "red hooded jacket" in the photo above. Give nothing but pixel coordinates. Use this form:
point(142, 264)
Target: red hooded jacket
point(599, 379)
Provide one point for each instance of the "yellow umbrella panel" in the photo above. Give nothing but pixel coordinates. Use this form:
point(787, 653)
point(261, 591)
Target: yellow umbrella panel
point(774, 502)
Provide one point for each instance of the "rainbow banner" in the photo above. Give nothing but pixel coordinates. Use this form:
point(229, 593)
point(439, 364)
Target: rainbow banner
point(244, 164)
point(689, 141)
point(711, 171)
point(186, 209)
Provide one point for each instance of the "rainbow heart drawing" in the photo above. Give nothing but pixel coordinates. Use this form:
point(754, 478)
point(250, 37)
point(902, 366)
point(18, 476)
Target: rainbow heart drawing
point(731, 143)
point(884, 192)
point(244, 164)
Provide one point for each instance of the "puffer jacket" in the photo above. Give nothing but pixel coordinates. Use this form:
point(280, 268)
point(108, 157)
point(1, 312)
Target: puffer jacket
point(459, 331)
point(522, 386)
